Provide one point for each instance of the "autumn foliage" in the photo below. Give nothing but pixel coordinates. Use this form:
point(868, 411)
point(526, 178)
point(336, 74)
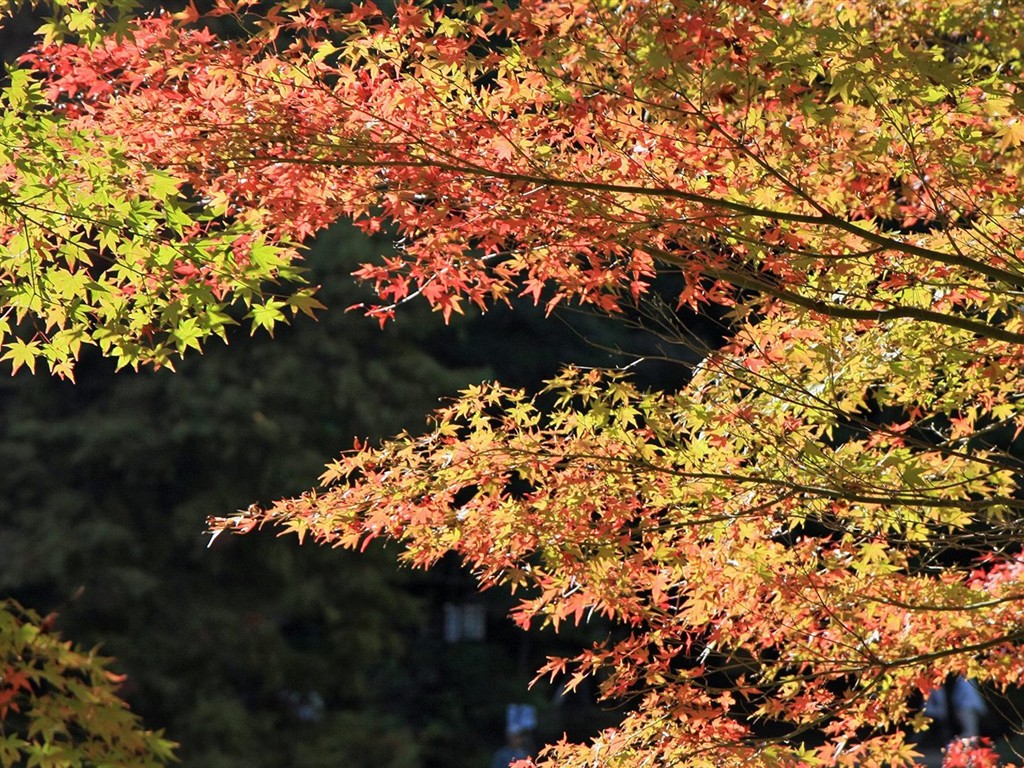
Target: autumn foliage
point(59, 704)
point(820, 522)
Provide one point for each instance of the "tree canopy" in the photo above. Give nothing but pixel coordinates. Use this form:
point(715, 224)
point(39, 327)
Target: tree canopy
point(815, 525)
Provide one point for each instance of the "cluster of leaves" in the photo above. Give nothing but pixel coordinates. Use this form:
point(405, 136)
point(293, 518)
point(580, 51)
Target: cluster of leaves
point(817, 525)
point(697, 525)
point(102, 250)
point(86, 21)
point(59, 705)
point(971, 753)
point(678, 142)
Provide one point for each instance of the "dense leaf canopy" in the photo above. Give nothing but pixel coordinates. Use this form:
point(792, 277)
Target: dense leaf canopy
point(814, 526)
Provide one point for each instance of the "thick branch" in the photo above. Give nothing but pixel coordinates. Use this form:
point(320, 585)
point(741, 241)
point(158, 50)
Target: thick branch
point(752, 282)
